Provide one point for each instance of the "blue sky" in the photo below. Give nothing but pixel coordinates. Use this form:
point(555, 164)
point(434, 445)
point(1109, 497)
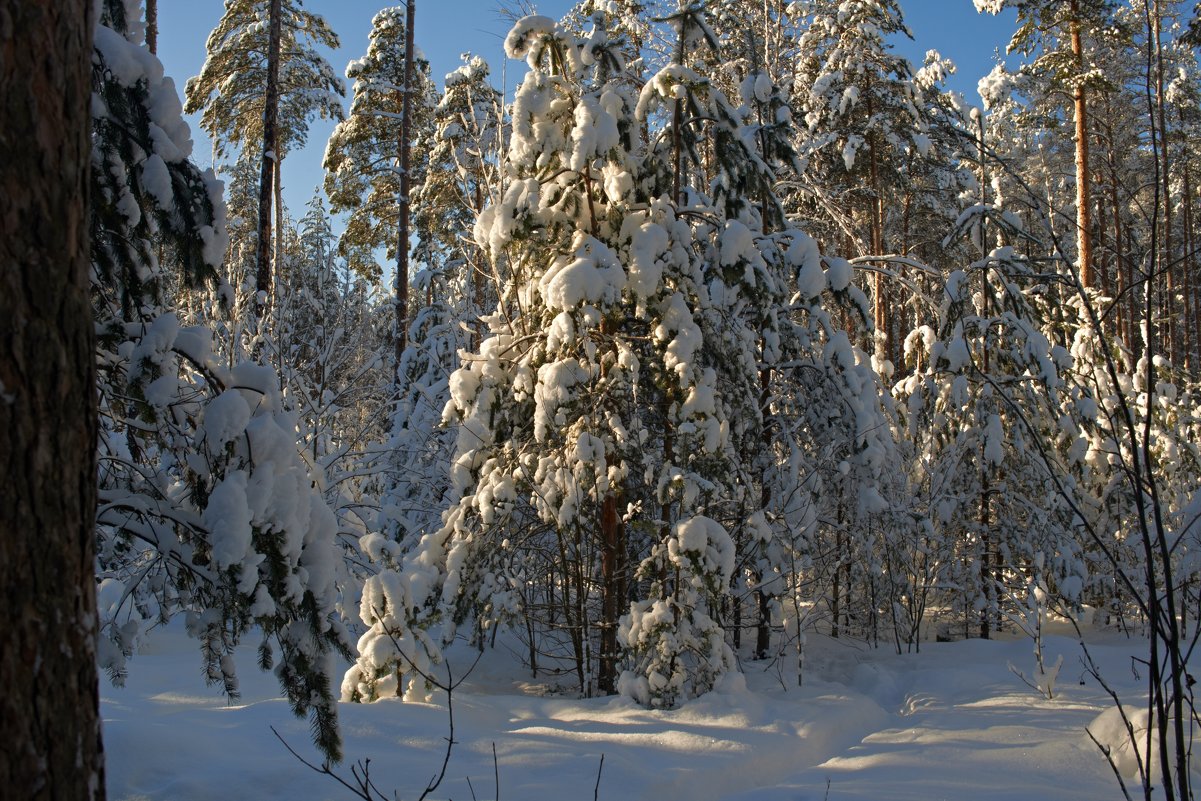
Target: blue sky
point(446, 28)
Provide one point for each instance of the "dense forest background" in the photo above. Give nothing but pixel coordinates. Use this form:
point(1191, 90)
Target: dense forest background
point(730, 326)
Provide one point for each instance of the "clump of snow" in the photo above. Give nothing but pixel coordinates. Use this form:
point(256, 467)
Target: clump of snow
point(1122, 733)
point(922, 143)
point(704, 539)
point(649, 243)
point(156, 180)
point(524, 36)
point(994, 441)
point(735, 243)
point(225, 417)
point(668, 84)
point(216, 236)
point(592, 274)
point(227, 517)
point(850, 150)
point(804, 257)
point(595, 130)
point(839, 273)
point(682, 334)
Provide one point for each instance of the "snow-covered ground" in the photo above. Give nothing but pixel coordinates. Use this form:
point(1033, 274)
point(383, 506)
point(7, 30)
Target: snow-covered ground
point(951, 722)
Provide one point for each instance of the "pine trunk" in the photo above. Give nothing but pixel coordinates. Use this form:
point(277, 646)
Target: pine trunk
point(277, 190)
point(880, 310)
point(267, 172)
point(1122, 294)
point(49, 710)
point(152, 25)
point(986, 481)
point(1084, 222)
point(836, 581)
point(477, 281)
point(763, 628)
point(612, 550)
point(1190, 297)
point(986, 474)
point(1105, 270)
point(402, 235)
point(1170, 320)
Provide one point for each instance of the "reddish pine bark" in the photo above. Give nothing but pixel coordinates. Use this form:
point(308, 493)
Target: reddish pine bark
point(49, 710)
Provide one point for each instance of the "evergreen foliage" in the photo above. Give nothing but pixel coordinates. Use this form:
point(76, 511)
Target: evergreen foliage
point(362, 158)
point(229, 93)
point(636, 430)
point(206, 508)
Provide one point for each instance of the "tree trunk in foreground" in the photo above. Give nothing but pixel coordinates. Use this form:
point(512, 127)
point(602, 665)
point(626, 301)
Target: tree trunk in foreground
point(49, 709)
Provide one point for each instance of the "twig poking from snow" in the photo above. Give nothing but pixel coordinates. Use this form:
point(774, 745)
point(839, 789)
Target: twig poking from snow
point(1112, 765)
point(365, 787)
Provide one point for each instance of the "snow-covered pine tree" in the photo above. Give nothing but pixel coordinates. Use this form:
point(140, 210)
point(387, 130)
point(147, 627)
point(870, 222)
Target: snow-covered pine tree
point(994, 432)
point(228, 92)
point(826, 473)
point(937, 180)
point(626, 23)
point(206, 508)
point(362, 156)
point(865, 113)
point(1056, 31)
point(413, 462)
point(591, 430)
point(1113, 75)
point(1182, 94)
point(462, 144)
point(750, 155)
point(146, 147)
point(1167, 424)
point(457, 283)
point(330, 348)
point(515, 459)
point(264, 78)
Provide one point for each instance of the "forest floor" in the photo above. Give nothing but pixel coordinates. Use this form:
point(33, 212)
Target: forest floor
point(951, 722)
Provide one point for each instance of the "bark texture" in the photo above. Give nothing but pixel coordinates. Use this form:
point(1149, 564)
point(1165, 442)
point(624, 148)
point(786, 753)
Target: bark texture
point(152, 25)
point(1084, 218)
point(49, 715)
point(270, 156)
point(405, 148)
point(612, 593)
